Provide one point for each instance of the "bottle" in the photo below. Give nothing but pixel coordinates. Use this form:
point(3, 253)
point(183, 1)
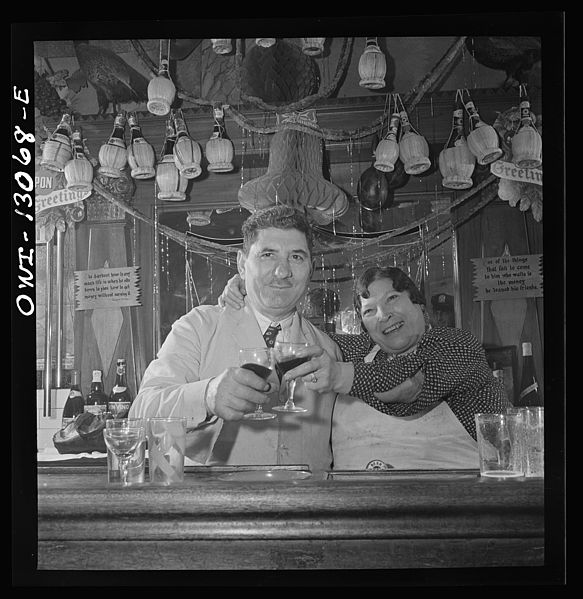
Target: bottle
point(75, 403)
point(456, 136)
point(79, 171)
point(169, 141)
point(483, 143)
point(526, 142)
point(96, 401)
point(456, 161)
point(387, 150)
point(219, 149)
point(140, 153)
point(118, 135)
point(113, 154)
point(63, 131)
point(120, 398)
point(57, 150)
point(187, 152)
point(171, 184)
point(529, 391)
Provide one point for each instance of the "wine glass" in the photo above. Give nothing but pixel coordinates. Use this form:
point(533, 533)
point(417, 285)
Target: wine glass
point(286, 358)
point(260, 361)
point(123, 437)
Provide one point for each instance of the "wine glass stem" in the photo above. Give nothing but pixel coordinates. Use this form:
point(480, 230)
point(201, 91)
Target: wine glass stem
point(291, 385)
point(123, 466)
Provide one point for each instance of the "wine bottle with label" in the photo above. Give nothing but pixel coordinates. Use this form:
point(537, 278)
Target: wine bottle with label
point(120, 398)
point(96, 401)
point(529, 388)
point(75, 403)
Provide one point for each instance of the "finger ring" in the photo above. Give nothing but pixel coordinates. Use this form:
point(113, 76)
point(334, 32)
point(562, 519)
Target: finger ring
point(314, 378)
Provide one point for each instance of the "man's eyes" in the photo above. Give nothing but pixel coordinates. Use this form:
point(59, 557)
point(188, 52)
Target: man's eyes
point(294, 257)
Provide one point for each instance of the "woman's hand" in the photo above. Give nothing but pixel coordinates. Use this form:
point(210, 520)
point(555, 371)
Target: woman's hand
point(322, 373)
point(406, 392)
point(233, 294)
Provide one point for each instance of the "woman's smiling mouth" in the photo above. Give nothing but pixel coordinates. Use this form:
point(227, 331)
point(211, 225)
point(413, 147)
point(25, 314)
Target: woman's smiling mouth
point(393, 327)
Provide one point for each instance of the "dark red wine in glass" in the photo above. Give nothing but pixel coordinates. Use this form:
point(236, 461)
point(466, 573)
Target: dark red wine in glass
point(286, 358)
point(258, 369)
point(287, 365)
point(260, 361)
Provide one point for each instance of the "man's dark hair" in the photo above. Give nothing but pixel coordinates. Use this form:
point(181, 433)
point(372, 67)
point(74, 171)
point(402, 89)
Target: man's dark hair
point(279, 216)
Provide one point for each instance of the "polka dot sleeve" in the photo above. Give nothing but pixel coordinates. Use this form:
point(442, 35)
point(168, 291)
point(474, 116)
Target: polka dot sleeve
point(455, 370)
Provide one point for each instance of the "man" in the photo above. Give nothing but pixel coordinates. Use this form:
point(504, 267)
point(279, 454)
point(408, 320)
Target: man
point(443, 311)
point(196, 373)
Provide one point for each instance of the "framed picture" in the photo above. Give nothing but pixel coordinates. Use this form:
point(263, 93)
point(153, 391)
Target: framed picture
point(505, 358)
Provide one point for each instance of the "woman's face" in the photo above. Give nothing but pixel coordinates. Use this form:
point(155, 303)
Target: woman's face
point(391, 318)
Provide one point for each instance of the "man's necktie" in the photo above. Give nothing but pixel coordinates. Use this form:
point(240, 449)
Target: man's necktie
point(270, 334)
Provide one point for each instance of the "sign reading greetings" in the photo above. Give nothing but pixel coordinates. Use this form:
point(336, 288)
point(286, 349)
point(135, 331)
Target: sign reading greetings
point(107, 288)
point(50, 191)
point(507, 277)
point(507, 170)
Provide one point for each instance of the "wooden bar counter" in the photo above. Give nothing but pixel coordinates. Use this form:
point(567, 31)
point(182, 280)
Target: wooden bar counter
point(337, 520)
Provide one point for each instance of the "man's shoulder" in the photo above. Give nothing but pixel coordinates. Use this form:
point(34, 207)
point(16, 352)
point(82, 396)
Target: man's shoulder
point(200, 315)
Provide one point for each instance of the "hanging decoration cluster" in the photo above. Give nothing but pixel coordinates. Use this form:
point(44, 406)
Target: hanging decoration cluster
point(523, 144)
point(405, 151)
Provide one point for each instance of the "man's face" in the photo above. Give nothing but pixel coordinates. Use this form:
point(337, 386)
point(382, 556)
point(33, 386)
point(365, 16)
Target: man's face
point(391, 318)
point(276, 271)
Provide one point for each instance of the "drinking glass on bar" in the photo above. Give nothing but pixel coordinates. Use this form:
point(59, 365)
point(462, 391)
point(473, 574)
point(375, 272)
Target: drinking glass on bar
point(123, 437)
point(166, 447)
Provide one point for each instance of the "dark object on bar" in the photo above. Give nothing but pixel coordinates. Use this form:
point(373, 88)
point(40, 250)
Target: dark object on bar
point(83, 435)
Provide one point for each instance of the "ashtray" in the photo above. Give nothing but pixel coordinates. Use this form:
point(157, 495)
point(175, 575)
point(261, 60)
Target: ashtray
point(266, 475)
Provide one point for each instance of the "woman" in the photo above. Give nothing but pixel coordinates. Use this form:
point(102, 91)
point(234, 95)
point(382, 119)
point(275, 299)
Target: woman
point(430, 418)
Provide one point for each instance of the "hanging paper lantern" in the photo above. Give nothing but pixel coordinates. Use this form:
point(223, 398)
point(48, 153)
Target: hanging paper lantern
point(372, 65)
point(57, 150)
point(373, 189)
point(294, 173)
point(313, 46)
point(79, 171)
point(265, 42)
point(222, 46)
point(187, 152)
point(219, 150)
point(413, 148)
point(161, 91)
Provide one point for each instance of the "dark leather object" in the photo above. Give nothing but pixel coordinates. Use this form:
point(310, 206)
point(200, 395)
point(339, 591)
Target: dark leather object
point(83, 435)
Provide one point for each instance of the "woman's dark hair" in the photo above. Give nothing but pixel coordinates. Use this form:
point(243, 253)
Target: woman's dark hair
point(280, 216)
point(401, 282)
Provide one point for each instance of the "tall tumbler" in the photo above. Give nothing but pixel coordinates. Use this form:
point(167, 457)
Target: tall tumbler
point(166, 447)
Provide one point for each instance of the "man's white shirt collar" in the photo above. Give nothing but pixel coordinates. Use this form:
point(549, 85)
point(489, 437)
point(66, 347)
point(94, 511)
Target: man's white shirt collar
point(264, 322)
